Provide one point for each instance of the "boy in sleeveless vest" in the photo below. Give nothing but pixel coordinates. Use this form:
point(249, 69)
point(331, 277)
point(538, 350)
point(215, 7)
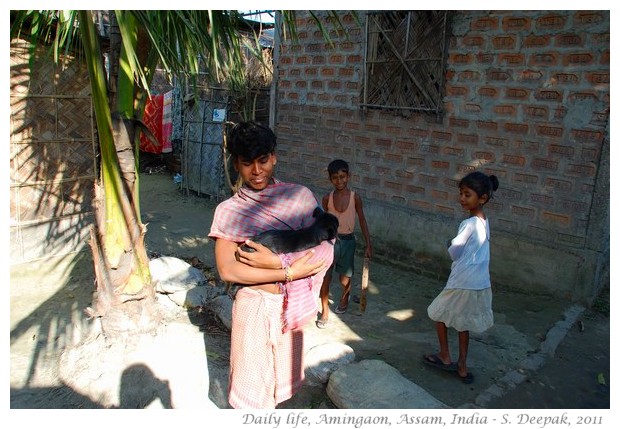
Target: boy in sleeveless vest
point(343, 203)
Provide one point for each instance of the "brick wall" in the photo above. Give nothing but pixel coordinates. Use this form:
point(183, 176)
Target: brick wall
point(527, 99)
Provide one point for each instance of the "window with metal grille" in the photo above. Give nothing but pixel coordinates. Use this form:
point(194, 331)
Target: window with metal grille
point(405, 60)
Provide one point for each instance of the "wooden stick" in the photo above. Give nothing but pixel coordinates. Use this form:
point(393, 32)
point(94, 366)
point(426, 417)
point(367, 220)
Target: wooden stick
point(363, 298)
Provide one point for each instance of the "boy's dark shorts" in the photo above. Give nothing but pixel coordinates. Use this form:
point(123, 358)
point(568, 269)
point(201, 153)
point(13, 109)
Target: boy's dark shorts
point(344, 256)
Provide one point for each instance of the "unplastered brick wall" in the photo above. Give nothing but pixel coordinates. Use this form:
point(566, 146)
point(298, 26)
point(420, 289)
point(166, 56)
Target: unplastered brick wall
point(527, 96)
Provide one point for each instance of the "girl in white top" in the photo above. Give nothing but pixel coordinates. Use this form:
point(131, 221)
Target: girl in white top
point(465, 302)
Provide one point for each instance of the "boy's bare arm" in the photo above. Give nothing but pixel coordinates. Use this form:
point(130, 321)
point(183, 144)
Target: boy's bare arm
point(359, 208)
point(325, 201)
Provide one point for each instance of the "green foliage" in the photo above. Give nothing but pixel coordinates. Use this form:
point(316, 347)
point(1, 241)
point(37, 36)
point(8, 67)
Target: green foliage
point(179, 39)
point(57, 29)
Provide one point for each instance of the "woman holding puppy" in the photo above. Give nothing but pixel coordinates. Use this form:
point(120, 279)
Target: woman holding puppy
point(281, 290)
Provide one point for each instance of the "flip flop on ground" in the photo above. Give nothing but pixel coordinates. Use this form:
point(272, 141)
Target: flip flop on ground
point(436, 362)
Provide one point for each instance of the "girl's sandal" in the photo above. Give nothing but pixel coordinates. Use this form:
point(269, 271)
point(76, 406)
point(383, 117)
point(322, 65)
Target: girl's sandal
point(321, 324)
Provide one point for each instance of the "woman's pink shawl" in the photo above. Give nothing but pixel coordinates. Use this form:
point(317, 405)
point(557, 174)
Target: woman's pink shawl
point(279, 206)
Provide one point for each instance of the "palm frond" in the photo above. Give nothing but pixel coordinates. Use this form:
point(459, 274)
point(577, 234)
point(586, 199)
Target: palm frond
point(183, 38)
point(57, 29)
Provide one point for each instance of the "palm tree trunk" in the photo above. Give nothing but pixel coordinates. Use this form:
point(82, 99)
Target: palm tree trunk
point(124, 294)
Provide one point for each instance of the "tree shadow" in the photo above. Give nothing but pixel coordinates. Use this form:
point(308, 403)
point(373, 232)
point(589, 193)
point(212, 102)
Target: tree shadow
point(56, 397)
point(52, 156)
point(139, 388)
point(44, 328)
point(52, 170)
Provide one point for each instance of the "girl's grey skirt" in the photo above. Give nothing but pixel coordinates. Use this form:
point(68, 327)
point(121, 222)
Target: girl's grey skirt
point(463, 309)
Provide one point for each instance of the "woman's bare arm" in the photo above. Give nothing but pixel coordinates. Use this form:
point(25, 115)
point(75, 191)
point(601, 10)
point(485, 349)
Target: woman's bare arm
point(232, 270)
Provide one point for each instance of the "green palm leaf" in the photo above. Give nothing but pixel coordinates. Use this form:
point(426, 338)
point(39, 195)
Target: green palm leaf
point(183, 42)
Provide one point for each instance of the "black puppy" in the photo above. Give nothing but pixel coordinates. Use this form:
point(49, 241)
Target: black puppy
point(325, 227)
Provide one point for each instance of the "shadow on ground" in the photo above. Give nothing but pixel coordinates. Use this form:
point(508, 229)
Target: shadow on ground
point(48, 299)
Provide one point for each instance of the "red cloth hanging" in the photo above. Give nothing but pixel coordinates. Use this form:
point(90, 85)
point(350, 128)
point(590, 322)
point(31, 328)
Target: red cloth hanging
point(158, 119)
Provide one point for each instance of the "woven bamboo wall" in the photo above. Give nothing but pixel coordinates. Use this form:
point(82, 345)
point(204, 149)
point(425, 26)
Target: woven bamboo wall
point(52, 156)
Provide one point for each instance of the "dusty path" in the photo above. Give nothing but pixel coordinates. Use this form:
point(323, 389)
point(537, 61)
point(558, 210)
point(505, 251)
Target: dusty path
point(46, 314)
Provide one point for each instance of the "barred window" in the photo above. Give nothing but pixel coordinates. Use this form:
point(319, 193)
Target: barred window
point(405, 60)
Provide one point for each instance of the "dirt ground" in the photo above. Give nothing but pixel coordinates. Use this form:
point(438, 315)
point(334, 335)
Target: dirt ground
point(47, 317)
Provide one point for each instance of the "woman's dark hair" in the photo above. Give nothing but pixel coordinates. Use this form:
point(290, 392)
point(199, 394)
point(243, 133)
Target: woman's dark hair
point(480, 183)
point(250, 140)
